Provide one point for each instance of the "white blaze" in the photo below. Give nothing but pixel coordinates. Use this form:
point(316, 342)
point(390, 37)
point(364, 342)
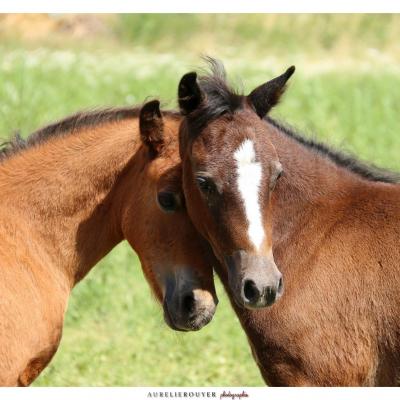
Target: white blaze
point(249, 182)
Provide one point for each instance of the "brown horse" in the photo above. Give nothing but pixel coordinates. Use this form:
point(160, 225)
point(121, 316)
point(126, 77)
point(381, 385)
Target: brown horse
point(331, 223)
point(69, 194)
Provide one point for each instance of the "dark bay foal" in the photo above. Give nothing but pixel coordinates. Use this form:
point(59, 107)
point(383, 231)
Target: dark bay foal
point(331, 223)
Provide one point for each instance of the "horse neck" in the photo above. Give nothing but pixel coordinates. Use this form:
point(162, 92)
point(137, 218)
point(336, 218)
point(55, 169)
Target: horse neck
point(62, 192)
point(312, 195)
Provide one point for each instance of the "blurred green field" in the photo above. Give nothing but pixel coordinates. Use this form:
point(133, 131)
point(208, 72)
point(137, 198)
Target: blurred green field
point(346, 93)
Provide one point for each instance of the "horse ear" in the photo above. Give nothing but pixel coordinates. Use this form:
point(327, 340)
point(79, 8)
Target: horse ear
point(151, 126)
point(189, 93)
point(266, 96)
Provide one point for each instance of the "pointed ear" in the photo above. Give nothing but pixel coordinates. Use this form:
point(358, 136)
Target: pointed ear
point(266, 96)
point(189, 93)
point(151, 126)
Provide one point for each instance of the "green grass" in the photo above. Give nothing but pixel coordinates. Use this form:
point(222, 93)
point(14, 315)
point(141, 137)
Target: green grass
point(265, 34)
point(114, 332)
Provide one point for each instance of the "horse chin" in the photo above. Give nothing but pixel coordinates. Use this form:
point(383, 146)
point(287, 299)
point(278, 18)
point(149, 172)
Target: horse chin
point(169, 321)
point(193, 324)
point(200, 321)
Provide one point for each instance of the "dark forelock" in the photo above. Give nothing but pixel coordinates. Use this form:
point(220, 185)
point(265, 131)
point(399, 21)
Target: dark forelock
point(219, 98)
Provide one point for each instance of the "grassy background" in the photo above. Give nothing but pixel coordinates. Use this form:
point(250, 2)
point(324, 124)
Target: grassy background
point(345, 91)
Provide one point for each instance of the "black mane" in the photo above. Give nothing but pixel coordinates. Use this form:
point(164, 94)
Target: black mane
point(69, 125)
point(367, 171)
point(222, 99)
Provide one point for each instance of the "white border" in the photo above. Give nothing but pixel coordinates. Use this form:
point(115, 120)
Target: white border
point(201, 6)
point(177, 393)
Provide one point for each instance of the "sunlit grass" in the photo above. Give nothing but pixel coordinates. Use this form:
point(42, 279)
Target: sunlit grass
point(304, 35)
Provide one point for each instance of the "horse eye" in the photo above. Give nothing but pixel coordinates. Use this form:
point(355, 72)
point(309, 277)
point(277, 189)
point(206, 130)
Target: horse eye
point(206, 185)
point(167, 201)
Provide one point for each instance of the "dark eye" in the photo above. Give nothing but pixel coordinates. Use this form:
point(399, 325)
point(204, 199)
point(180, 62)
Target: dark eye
point(206, 185)
point(167, 201)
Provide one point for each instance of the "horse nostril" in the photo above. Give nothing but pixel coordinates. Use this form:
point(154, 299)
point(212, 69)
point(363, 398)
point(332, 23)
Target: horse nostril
point(280, 285)
point(250, 291)
point(188, 303)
